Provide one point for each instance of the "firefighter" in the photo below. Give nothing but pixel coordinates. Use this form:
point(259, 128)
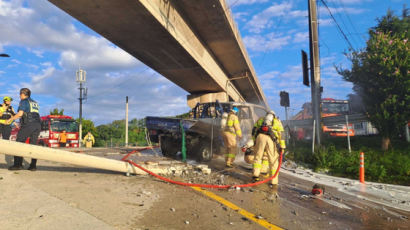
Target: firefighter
point(269, 140)
point(249, 156)
point(6, 112)
point(89, 140)
point(231, 131)
point(28, 112)
point(265, 159)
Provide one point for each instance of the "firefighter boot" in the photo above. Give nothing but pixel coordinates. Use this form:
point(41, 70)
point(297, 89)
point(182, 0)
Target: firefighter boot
point(255, 179)
point(274, 196)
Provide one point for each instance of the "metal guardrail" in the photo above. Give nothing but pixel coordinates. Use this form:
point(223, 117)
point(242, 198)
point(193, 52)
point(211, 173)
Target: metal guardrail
point(353, 118)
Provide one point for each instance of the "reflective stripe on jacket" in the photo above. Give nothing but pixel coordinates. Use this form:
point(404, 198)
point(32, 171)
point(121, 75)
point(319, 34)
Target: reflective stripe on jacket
point(232, 125)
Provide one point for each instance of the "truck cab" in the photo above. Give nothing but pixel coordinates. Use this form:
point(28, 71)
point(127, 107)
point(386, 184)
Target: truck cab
point(202, 128)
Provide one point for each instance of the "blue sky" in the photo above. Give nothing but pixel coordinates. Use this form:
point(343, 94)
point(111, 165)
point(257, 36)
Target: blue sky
point(46, 47)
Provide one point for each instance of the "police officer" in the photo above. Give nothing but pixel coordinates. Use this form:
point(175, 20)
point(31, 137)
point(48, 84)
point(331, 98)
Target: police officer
point(6, 112)
point(28, 111)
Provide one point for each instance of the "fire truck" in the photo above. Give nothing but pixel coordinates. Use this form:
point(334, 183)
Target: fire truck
point(330, 108)
point(51, 127)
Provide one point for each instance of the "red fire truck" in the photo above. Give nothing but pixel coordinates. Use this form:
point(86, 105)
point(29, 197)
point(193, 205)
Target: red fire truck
point(51, 127)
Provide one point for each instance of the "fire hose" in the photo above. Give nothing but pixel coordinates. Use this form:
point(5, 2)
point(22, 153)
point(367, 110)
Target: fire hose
point(201, 185)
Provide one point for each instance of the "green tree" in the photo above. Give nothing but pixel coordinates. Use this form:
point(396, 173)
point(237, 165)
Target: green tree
point(115, 132)
point(55, 111)
point(380, 75)
point(88, 126)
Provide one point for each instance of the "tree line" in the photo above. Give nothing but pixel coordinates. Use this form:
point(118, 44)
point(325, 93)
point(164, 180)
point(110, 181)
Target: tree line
point(112, 134)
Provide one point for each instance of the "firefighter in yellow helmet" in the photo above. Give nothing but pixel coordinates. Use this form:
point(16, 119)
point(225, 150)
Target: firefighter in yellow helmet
point(231, 131)
point(269, 140)
point(89, 140)
point(6, 112)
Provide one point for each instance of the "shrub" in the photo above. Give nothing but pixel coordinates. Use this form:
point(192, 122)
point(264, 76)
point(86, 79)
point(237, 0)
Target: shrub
point(392, 166)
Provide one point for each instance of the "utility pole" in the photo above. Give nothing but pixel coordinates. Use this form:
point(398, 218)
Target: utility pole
point(315, 69)
point(80, 78)
point(126, 121)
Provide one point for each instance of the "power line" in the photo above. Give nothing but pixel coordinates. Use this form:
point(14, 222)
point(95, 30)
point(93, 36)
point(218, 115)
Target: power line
point(338, 26)
point(343, 20)
point(360, 39)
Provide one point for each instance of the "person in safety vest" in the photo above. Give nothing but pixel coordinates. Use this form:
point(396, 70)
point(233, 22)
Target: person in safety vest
point(28, 112)
point(62, 139)
point(269, 140)
point(6, 112)
point(231, 131)
point(89, 140)
point(248, 149)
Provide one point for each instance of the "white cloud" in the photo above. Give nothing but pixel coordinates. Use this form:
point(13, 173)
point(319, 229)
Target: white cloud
point(240, 16)
point(233, 3)
point(301, 37)
point(149, 93)
point(45, 27)
point(112, 73)
point(263, 20)
point(326, 22)
point(268, 42)
point(350, 1)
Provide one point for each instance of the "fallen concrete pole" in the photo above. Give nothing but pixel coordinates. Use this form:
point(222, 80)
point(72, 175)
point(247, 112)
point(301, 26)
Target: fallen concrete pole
point(62, 156)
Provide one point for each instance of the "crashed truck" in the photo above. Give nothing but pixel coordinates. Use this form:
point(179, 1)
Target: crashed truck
point(203, 127)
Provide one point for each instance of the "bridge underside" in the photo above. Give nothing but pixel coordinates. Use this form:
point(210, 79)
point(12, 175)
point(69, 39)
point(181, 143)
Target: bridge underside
point(195, 44)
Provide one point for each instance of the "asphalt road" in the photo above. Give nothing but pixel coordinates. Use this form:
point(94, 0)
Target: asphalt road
point(67, 197)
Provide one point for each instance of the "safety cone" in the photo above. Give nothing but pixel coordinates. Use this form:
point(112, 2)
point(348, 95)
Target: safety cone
point(361, 169)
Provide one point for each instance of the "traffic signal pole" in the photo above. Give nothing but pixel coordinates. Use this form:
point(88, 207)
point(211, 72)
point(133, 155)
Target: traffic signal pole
point(315, 69)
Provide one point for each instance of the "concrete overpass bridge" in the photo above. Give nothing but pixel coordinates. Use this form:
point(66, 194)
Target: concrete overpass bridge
point(193, 43)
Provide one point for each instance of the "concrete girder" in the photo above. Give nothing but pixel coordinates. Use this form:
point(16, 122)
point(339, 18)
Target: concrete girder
point(156, 33)
point(216, 27)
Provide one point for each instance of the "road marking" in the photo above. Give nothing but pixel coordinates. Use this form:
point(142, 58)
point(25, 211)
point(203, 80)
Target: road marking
point(241, 211)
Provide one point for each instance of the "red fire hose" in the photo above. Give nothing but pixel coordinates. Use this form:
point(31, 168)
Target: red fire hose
point(201, 185)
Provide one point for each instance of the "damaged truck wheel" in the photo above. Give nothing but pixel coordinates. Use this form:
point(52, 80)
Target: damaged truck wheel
point(204, 152)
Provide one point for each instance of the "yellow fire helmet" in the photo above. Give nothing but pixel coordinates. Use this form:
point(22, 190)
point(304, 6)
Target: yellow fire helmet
point(6, 98)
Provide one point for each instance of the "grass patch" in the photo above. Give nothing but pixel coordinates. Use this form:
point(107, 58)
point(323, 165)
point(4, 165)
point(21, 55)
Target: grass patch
point(392, 166)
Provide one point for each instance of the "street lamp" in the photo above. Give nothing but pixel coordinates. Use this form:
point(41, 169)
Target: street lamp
point(4, 55)
point(80, 78)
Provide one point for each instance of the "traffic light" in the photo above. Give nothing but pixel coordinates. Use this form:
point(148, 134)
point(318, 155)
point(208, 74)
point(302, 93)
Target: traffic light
point(284, 98)
point(305, 68)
